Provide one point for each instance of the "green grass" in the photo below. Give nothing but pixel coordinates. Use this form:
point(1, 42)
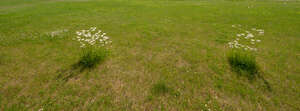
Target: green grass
point(182, 43)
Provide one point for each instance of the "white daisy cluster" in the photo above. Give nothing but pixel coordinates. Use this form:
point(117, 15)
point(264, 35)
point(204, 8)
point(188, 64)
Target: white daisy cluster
point(92, 37)
point(246, 40)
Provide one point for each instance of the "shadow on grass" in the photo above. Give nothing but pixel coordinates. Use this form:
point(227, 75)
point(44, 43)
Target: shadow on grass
point(252, 76)
point(266, 83)
point(244, 64)
point(74, 70)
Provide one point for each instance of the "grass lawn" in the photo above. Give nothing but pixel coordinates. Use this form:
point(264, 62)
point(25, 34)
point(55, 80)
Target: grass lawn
point(166, 55)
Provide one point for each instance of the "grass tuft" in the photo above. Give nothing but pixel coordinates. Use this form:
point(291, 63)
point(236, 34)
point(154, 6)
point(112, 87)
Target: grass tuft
point(243, 62)
point(92, 57)
point(160, 88)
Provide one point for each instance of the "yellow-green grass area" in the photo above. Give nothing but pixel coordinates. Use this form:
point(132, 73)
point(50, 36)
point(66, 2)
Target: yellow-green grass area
point(165, 55)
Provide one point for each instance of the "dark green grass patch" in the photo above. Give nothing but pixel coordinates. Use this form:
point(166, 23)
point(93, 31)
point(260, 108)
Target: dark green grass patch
point(92, 56)
point(243, 62)
point(160, 88)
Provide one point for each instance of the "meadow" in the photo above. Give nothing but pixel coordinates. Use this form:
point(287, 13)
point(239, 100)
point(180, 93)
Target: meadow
point(165, 55)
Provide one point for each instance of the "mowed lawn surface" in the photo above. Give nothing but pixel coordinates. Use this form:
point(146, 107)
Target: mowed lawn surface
point(165, 55)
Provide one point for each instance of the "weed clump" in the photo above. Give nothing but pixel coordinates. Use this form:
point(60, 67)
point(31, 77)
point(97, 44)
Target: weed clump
point(242, 57)
point(95, 46)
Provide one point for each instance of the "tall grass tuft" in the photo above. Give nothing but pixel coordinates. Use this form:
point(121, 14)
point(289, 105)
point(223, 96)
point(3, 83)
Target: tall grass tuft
point(160, 88)
point(93, 56)
point(243, 62)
